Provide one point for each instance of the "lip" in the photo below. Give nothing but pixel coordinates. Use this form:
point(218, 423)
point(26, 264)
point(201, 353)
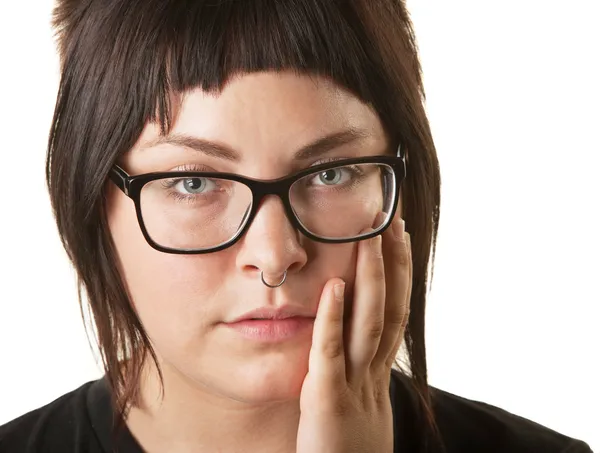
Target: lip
point(272, 330)
point(275, 313)
point(275, 324)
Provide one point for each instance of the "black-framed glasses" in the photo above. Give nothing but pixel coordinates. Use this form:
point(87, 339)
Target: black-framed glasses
point(191, 212)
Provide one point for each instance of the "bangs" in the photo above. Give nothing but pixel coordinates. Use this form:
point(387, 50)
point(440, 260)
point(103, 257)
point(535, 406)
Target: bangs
point(167, 47)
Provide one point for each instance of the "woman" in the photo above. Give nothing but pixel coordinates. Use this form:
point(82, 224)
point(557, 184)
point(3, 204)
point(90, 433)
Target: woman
point(235, 184)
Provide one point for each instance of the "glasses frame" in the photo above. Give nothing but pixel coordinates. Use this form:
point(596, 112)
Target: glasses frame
point(132, 186)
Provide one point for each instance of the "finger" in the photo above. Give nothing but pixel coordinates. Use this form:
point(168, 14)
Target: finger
point(366, 324)
point(401, 332)
point(398, 284)
point(379, 219)
point(326, 360)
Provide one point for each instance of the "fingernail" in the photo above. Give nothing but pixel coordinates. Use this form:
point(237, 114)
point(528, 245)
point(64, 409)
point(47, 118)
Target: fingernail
point(398, 228)
point(376, 244)
point(338, 291)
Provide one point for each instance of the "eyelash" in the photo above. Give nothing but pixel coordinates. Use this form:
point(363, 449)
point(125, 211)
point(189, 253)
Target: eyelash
point(326, 160)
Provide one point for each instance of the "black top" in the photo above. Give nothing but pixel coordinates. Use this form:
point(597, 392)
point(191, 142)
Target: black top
point(80, 422)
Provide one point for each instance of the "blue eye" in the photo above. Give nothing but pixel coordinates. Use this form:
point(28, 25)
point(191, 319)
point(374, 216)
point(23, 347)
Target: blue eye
point(194, 185)
point(331, 177)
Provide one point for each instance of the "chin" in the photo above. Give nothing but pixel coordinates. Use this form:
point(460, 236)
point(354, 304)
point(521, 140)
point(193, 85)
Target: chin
point(268, 381)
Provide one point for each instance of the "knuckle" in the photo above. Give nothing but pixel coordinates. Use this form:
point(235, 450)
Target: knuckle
point(376, 330)
point(332, 348)
point(405, 319)
point(338, 405)
point(401, 253)
point(378, 273)
point(398, 320)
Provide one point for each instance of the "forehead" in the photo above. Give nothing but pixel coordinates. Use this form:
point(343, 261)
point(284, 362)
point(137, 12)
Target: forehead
point(281, 109)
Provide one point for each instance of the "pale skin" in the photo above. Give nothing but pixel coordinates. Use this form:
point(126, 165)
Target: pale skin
point(322, 392)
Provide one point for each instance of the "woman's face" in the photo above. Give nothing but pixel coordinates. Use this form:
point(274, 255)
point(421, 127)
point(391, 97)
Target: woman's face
point(184, 300)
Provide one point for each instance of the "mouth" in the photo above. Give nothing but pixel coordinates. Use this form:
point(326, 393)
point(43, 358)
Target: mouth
point(276, 313)
point(272, 330)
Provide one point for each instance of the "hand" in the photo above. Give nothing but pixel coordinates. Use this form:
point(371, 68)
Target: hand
point(344, 403)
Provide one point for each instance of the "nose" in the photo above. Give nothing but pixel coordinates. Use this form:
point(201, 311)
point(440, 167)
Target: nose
point(271, 243)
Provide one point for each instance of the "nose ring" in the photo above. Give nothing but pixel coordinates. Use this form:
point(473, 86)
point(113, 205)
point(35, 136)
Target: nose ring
point(262, 277)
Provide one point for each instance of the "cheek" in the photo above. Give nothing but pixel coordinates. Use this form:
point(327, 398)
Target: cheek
point(335, 260)
point(165, 288)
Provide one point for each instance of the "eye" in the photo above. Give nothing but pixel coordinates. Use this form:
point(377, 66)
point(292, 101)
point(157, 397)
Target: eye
point(195, 185)
point(331, 177)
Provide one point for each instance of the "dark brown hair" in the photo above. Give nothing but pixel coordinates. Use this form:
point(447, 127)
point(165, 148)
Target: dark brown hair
point(123, 63)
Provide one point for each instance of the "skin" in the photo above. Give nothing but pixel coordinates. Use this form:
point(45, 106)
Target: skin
point(311, 393)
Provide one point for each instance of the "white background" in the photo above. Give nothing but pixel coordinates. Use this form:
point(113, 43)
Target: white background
point(513, 315)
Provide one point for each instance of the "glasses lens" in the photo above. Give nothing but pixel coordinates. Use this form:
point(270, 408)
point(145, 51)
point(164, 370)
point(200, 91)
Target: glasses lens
point(194, 213)
point(341, 202)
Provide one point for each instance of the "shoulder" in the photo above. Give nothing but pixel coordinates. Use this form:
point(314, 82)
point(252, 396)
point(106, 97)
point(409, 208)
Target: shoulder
point(467, 423)
point(473, 426)
point(58, 426)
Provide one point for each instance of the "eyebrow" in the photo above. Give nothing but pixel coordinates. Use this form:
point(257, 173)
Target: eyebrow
point(315, 149)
